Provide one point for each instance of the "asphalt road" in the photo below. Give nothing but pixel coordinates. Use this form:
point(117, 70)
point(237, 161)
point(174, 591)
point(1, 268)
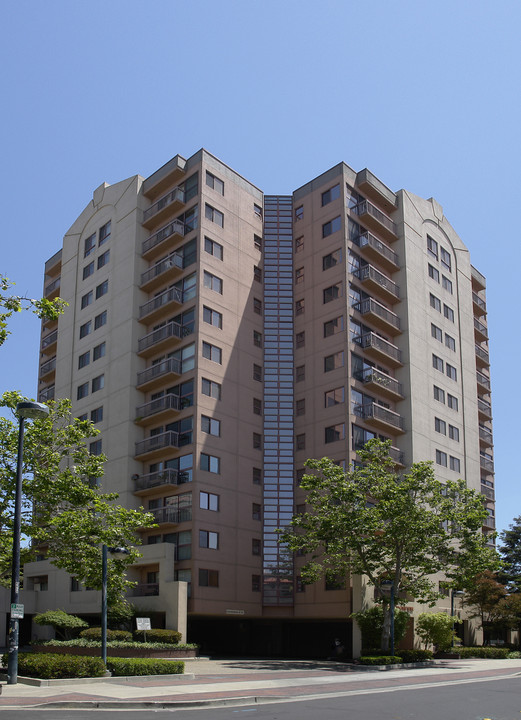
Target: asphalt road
point(496, 699)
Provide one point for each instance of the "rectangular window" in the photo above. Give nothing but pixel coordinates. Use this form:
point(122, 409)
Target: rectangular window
point(213, 215)
point(256, 511)
point(212, 282)
point(257, 210)
point(439, 394)
point(446, 283)
point(436, 332)
point(300, 373)
point(210, 425)
point(215, 183)
point(448, 312)
point(210, 463)
point(334, 433)
point(100, 320)
point(299, 275)
point(454, 433)
point(332, 293)
point(98, 383)
point(299, 244)
point(208, 578)
point(452, 373)
point(104, 233)
point(257, 406)
point(450, 342)
point(88, 270)
point(257, 338)
point(435, 302)
point(299, 212)
point(300, 339)
point(103, 259)
point(257, 373)
point(332, 259)
point(452, 402)
point(299, 307)
point(257, 441)
point(86, 299)
point(445, 259)
point(300, 407)
point(300, 441)
point(90, 245)
point(331, 227)
point(98, 351)
point(96, 415)
point(255, 583)
point(85, 329)
point(84, 360)
point(102, 289)
point(437, 363)
point(334, 397)
point(213, 248)
point(329, 195)
point(211, 388)
point(257, 241)
point(434, 273)
point(440, 426)
point(82, 391)
point(441, 458)
point(257, 273)
point(256, 477)
point(208, 539)
point(208, 501)
point(257, 306)
point(331, 327)
point(332, 362)
point(454, 464)
point(212, 317)
point(432, 247)
point(255, 546)
point(212, 352)
point(95, 448)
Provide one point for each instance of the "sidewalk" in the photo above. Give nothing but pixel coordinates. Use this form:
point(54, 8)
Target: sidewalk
point(240, 682)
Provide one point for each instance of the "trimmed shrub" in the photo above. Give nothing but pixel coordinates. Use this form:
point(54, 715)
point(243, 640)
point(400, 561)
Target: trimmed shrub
point(67, 626)
point(94, 633)
point(437, 629)
point(83, 642)
point(49, 666)
point(514, 655)
point(381, 660)
point(500, 653)
point(161, 636)
point(144, 666)
point(410, 656)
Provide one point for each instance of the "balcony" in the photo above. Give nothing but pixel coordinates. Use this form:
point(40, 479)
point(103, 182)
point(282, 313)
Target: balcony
point(480, 331)
point(486, 463)
point(167, 175)
point(159, 374)
point(480, 306)
point(380, 417)
point(487, 492)
point(489, 523)
point(46, 395)
point(483, 381)
point(379, 315)
point(372, 278)
point(165, 336)
point(48, 345)
point(376, 220)
point(145, 590)
point(397, 455)
point(380, 382)
point(163, 240)
point(166, 479)
point(370, 246)
point(52, 290)
point(486, 435)
point(171, 515)
point(162, 272)
point(47, 368)
point(374, 188)
point(155, 446)
point(157, 410)
point(484, 409)
point(381, 349)
point(160, 305)
point(482, 356)
point(172, 202)
point(478, 280)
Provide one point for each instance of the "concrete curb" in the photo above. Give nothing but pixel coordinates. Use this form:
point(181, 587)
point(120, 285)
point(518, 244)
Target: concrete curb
point(38, 682)
point(151, 704)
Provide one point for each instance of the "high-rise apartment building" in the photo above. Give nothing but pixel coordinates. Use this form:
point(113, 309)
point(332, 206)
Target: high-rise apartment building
point(218, 337)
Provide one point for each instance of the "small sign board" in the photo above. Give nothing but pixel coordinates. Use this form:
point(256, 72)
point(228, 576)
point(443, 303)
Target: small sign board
point(17, 611)
point(143, 624)
point(235, 612)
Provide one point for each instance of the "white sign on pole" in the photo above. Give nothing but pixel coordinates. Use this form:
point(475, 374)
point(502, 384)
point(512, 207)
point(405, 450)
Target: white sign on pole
point(143, 624)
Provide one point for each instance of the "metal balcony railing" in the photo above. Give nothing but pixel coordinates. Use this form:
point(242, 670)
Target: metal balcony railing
point(52, 286)
point(369, 272)
point(167, 402)
point(145, 590)
point(485, 407)
point(485, 434)
point(165, 367)
point(372, 340)
point(483, 354)
point(168, 476)
point(377, 412)
point(170, 295)
point(174, 228)
point(479, 302)
point(172, 515)
point(386, 382)
point(173, 260)
point(481, 327)
point(369, 305)
point(170, 330)
point(367, 239)
point(157, 442)
point(175, 195)
point(48, 366)
point(367, 208)
point(486, 464)
point(489, 522)
point(483, 379)
point(487, 492)
point(49, 339)
point(46, 395)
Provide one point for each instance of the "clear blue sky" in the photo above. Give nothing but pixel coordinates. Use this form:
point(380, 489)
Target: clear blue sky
point(427, 95)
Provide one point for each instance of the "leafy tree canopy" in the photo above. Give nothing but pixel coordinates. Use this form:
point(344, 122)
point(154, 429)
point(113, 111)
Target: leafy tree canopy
point(510, 551)
point(64, 508)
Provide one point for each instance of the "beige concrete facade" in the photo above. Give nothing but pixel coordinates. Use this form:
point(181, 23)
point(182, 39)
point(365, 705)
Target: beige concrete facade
point(388, 325)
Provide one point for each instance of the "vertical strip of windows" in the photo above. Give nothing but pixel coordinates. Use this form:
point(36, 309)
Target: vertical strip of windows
point(278, 398)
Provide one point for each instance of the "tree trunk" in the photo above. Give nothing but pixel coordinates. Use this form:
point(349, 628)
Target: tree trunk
point(386, 628)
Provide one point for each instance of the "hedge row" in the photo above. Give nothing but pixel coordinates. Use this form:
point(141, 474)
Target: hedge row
point(483, 652)
point(144, 666)
point(407, 656)
point(83, 642)
point(94, 633)
point(380, 660)
point(49, 666)
point(172, 637)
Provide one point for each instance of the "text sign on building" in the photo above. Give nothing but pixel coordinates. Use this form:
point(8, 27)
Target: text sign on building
point(143, 624)
point(235, 612)
point(17, 611)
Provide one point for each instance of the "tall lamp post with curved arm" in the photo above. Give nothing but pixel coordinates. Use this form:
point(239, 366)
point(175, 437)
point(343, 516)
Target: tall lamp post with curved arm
point(25, 411)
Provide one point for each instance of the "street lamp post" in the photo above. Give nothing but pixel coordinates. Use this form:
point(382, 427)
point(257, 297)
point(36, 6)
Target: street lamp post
point(24, 410)
point(116, 553)
point(453, 593)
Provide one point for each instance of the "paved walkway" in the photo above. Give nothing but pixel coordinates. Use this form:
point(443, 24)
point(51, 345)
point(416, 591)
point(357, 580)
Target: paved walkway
point(225, 682)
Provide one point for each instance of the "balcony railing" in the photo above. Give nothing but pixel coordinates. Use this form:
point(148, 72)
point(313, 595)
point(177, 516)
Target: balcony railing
point(368, 272)
point(367, 239)
point(481, 328)
point(486, 464)
point(174, 228)
point(49, 339)
point(48, 367)
point(167, 297)
point(489, 522)
point(397, 455)
point(367, 208)
point(46, 395)
point(157, 442)
point(165, 367)
point(483, 379)
point(52, 287)
point(373, 341)
point(485, 407)
point(377, 377)
point(145, 590)
point(482, 354)
point(373, 411)
point(479, 302)
point(487, 492)
point(371, 306)
point(167, 402)
point(174, 260)
point(172, 515)
point(175, 195)
point(170, 330)
point(169, 476)
point(485, 434)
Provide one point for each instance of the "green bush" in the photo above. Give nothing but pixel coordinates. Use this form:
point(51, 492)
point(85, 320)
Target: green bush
point(380, 660)
point(83, 642)
point(162, 636)
point(514, 655)
point(410, 656)
point(437, 629)
point(48, 665)
point(500, 653)
point(67, 626)
point(371, 623)
point(94, 633)
point(144, 666)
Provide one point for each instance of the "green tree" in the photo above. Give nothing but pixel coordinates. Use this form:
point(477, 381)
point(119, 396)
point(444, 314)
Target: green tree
point(371, 624)
point(405, 528)
point(482, 597)
point(9, 304)
point(436, 629)
point(66, 626)
point(510, 551)
point(64, 507)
